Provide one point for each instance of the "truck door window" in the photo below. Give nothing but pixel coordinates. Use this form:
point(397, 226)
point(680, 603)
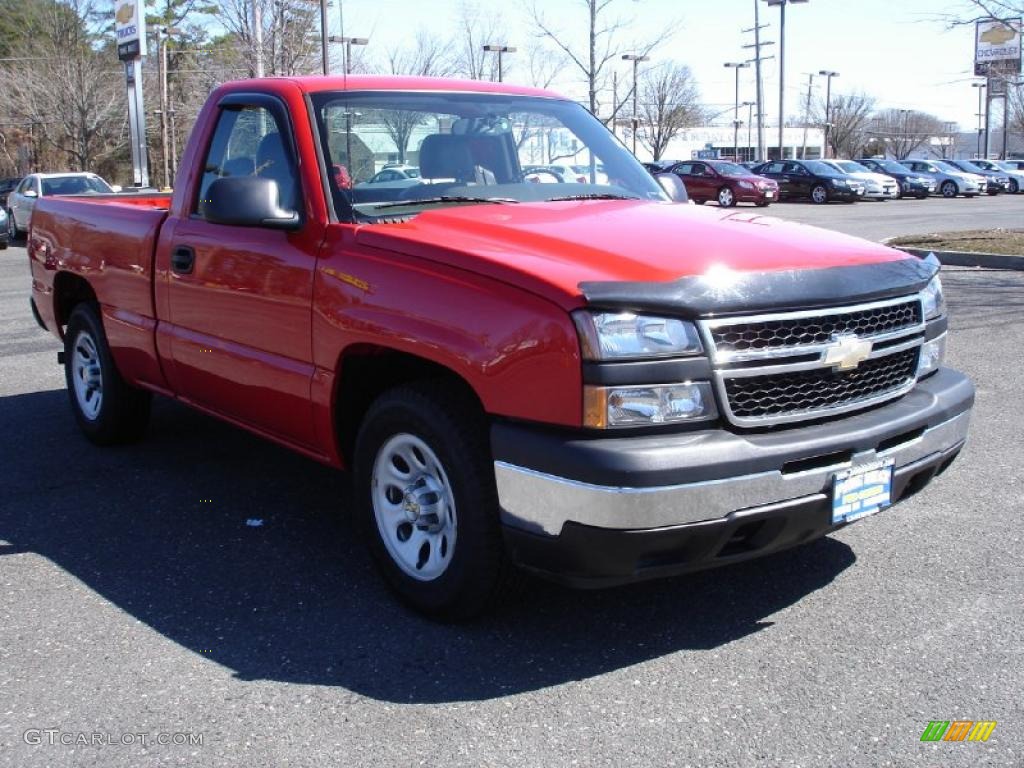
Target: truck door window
point(249, 142)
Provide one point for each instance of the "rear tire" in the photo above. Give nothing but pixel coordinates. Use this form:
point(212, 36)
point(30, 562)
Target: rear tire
point(108, 410)
point(426, 502)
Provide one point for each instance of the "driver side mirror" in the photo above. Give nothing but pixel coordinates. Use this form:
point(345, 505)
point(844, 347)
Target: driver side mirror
point(30, 193)
point(247, 201)
point(673, 187)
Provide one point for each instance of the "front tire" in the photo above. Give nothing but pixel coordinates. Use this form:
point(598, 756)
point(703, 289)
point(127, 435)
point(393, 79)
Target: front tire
point(108, 410)
point(1014, 187)
point(819, 195)
point(949, 189)
point(12, 227)
point(426, 502)
point(726, 198)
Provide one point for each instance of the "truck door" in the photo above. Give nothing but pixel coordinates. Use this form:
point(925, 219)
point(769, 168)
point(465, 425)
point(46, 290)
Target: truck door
point(240, 298)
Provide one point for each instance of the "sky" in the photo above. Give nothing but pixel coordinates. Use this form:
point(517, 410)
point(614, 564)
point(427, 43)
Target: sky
point(899, 51)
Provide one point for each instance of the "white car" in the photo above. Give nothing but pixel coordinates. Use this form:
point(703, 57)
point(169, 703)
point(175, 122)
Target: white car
point(950, 181)
point(877, 186)
point(1012, 168)
point(22, 199)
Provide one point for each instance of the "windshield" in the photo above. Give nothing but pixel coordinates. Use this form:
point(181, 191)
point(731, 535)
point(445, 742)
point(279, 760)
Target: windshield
point(75, 185)
point(731, 169)
point(891, 165)
point(821, 168)
point(945, 166)
point(850, 167)
point(469, 147)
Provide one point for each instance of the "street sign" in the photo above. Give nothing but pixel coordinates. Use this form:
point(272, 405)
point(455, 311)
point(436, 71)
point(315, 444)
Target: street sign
point(997, 47)
point(705, 154)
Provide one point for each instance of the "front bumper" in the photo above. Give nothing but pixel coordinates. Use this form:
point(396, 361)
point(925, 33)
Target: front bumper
point(616, 509)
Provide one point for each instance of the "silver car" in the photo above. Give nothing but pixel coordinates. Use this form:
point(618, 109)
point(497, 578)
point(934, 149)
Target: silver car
point(1012, 169)
point(22, 199)
point(949, 182)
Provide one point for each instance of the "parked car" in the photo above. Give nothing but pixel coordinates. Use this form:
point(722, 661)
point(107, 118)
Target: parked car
point(877, 186)
point(724, 182)
point(4, 233)
point(588, 380)
point(998, 181)
point(1014, 169)
point(22, 199)
point(949, 181)
point(6, 185)
point(395, 173)
point(911, 184)
point(813, 179)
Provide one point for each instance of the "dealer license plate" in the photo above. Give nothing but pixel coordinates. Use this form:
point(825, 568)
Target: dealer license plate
point(769, 195)
point(862, 491)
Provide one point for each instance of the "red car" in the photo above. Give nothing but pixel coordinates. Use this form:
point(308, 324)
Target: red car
point(584, 379)
point(724, 182)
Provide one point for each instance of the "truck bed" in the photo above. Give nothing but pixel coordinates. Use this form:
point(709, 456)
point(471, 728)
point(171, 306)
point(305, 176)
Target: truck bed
point(111, 241)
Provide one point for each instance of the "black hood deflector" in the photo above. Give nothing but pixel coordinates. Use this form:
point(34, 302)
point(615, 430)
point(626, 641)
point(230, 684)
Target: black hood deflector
point(726, 293)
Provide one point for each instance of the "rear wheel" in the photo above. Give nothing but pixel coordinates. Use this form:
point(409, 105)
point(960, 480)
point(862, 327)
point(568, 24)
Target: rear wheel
point(949, 189)
point(819, 194)
point(426, 501)
point(108, 410)
point(726, 198)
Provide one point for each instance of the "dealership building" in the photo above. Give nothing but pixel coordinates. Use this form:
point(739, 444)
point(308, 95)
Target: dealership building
point(717, 142)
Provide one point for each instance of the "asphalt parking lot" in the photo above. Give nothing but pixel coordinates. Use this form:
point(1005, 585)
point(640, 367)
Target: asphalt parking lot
point(137, 600)
point(878, 220)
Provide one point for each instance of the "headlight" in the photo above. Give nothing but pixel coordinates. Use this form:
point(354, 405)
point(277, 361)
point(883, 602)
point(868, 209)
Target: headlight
point(625, 336)
point(839, 183)
point(932, 354)
point(932, 302)
point(647, 405)
point(746, 185)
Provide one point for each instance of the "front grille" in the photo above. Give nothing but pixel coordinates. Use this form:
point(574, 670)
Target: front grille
point(795, 366)
point(804, 392)
point(817, 329)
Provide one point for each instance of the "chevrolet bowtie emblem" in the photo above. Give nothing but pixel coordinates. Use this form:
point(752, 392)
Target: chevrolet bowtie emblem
point(847, 352)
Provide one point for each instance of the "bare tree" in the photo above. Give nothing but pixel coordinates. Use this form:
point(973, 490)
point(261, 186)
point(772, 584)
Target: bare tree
point(669, 102)
point(604, 44)
point(290, 34)
point(477, 28)
point(850, 116)
point(903, 132)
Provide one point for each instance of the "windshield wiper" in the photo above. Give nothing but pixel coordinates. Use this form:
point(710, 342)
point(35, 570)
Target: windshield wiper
point(595, 196)
point(443, 199)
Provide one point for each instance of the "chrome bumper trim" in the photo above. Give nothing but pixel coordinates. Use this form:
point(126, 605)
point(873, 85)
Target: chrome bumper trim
point(543, 503)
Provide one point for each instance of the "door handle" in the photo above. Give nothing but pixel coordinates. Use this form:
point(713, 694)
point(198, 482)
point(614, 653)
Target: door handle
point(183, 258)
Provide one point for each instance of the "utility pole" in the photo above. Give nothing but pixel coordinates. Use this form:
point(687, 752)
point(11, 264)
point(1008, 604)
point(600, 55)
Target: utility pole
point(615, 100)
point(757, 45)
point(736, 66)
point(782, 69)
point(636, 59)
point(324, 38)
point(500, 49)
point(828, 75)
point(807, 114)
point(257, 36)
point(988, 114)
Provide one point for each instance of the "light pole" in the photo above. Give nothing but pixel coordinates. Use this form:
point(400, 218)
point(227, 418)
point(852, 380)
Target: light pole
point(162, 34)
point(500, 49)
point(904, 134)
point(828, 75)
point(750, 115)
point(636, 59)
point(981, 111)
point(348, 43)
point(736, 66)
point(782, 68)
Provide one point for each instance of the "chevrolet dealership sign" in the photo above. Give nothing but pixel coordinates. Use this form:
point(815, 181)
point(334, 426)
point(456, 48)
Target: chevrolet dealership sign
point(130, 28)
point(997, 47)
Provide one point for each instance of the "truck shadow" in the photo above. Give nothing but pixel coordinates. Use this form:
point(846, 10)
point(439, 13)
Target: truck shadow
point(160, 530)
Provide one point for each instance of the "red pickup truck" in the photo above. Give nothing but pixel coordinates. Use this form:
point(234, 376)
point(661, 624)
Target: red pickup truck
point(582, 378)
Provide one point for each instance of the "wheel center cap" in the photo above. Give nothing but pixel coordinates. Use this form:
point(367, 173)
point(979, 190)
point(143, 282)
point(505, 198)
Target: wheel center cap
point(411, 507)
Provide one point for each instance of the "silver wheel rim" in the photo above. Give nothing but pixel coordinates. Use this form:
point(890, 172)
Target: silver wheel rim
point(819, 195)
point(87, 376)
point(949, 189)
point(414, 507)
point(725, 198)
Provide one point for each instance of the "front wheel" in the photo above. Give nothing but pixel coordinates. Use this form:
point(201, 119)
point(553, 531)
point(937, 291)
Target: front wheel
point(426, 501)
point(726, 198)
point(949, 189)
point(12, 226)
point(108, 410)
point(1014, 187)
point(819, 195)
point(762, 204)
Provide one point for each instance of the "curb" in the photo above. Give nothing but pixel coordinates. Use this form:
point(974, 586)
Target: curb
point(968, 259)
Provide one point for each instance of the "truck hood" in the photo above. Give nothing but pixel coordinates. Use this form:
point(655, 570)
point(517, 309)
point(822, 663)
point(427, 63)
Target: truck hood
point(564, 250)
